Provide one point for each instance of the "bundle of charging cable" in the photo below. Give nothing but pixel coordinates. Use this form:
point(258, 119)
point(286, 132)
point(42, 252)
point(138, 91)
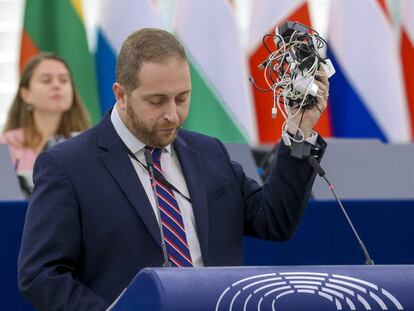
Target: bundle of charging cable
point(290, 71)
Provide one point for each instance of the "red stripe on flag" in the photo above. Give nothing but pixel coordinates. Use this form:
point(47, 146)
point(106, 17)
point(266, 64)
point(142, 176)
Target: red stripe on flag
point(27, 50)
point(385, 10)
point(407, 56)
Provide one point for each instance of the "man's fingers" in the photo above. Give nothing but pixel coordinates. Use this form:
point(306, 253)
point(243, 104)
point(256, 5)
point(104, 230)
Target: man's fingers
point(322, 89)
point(321, 76)
point(322, 96)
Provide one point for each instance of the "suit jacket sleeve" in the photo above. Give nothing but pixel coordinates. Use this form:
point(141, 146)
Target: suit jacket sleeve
point(273, 211)
point(51, 244)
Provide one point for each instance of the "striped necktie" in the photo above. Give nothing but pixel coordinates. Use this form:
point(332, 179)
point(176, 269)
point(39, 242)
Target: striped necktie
point(171, 219)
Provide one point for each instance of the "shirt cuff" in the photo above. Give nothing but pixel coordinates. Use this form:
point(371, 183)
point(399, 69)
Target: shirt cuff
point(312, 138)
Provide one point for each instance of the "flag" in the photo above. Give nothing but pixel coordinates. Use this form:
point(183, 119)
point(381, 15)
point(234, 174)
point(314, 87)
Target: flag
point(58, 27)
point(266, 16)
point(220, 100)
point(407, 56)
point(367, 92)
point(118, 19)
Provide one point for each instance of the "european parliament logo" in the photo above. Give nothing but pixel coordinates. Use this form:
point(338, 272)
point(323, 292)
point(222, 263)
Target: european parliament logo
point(297, 290)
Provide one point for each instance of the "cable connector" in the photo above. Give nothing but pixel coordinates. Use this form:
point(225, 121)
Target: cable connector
point(286, 139)
point(274, 112)
point(306, 85)
point(328, 67)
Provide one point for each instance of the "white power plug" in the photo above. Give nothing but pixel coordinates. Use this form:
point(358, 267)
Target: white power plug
point(305, 85)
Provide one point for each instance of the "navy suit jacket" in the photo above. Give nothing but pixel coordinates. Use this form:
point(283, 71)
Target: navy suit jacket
point(90, 227)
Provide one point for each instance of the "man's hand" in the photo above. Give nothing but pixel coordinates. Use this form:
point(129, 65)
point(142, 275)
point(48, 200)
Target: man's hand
point(311, 116)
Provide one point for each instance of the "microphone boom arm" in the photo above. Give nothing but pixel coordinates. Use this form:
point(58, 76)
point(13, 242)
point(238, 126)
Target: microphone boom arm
point(320, 171)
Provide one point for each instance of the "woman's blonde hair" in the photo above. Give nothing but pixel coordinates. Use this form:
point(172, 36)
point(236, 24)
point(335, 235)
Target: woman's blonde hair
point(76, 119)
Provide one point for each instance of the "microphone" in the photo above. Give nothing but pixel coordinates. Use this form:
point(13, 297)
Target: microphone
point(320, 171)
point(317, 167)
point(150, 165)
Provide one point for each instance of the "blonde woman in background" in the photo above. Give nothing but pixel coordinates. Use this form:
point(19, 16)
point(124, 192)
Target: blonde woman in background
point(46, 104)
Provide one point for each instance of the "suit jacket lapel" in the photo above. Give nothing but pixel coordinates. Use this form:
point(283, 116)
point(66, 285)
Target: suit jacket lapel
point(117, 162)
point(191, 166)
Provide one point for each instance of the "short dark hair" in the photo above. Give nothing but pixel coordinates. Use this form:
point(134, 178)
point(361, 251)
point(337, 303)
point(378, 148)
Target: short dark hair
point(145, 45)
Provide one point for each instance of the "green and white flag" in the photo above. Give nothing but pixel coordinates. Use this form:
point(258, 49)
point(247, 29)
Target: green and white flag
point(221, 104)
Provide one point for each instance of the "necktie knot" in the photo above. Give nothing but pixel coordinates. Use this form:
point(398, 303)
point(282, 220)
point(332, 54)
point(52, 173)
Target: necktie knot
point(155, 154)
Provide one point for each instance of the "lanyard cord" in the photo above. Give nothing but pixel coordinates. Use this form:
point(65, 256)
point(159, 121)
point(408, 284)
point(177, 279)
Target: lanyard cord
point(157, 175)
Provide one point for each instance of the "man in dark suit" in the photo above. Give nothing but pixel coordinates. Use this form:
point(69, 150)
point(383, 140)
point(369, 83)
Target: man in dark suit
point(94, 218)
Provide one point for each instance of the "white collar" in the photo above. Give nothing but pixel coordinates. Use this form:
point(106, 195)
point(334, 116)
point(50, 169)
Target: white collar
point(129, 139)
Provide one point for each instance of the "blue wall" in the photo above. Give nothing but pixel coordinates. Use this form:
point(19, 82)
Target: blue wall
point(322, 238)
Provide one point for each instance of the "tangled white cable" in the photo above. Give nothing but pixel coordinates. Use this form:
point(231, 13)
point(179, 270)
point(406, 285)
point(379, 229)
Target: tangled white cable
point(290, 70)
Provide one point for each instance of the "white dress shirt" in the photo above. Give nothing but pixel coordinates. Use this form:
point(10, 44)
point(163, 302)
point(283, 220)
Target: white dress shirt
point(172, 172)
